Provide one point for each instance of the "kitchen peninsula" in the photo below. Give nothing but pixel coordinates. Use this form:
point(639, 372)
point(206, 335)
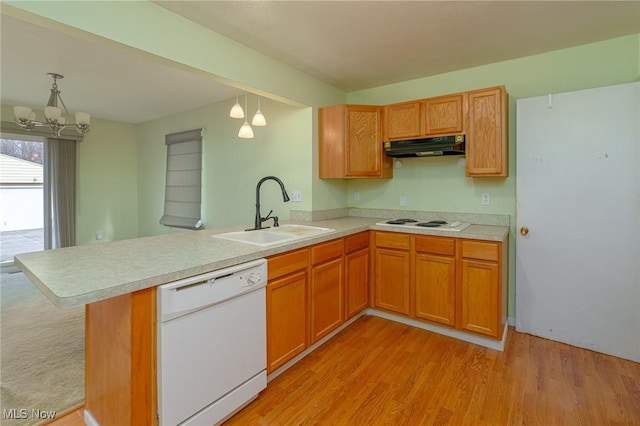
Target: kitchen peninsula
point(117, 281)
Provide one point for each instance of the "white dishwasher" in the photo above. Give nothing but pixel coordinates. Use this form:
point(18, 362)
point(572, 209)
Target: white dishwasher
point(211, 344)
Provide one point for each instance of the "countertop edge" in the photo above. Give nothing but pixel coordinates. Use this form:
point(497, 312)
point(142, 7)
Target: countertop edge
point(341, 226)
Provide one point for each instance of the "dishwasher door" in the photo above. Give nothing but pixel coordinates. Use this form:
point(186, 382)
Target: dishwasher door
point(211, 344)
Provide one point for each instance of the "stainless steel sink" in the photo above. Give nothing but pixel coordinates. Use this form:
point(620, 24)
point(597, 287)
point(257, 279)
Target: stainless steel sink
point(273, 236)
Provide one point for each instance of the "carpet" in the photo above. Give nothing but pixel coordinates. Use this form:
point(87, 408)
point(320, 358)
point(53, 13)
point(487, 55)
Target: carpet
point(41, 353)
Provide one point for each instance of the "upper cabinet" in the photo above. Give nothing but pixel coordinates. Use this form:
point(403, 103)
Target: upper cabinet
point(444, 115)
point(351, 142)
point(351, 135)
point(403, 120)
point(487, 138)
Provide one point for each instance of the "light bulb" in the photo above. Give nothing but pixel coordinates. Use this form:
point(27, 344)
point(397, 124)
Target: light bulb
point(236, 110)
point(52, 113)
point(22, 113)
point(258, 118)
point(246, 132)
point(83, 118)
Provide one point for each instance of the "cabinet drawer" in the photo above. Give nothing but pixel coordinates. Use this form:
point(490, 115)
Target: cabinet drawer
point(435, 245)
point(286, 263)
point(481, 250)
point(327, 251)
point(396, 241)
point(356, 242)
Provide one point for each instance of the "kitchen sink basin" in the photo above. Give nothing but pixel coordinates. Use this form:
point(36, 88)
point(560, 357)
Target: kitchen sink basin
point(273, 236)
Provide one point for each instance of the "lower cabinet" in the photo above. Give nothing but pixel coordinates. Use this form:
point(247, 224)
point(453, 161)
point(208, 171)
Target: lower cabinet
point(481, 295)
point(356, 266)
point(392, 274)
point(311, 292)
point(327, 288)
point(435, 279)
point(287, 309)
point(450, 281)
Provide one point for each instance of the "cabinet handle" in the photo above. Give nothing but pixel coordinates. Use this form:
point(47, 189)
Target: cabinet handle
point(524, 230)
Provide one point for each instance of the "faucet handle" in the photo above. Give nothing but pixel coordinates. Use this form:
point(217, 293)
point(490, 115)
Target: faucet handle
point(267, 217)
point(275, 221)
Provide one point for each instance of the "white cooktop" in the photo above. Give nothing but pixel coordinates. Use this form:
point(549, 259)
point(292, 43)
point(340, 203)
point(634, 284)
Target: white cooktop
point(436, 225)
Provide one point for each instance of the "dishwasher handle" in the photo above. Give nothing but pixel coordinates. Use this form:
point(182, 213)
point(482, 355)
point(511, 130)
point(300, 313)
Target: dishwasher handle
point(209, 281)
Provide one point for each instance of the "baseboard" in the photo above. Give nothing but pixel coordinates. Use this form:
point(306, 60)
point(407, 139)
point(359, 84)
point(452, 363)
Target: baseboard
point(511, 321)
point(451, 332)
point(89, 420)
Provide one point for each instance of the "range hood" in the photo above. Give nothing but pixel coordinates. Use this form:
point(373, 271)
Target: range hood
point(429, 147)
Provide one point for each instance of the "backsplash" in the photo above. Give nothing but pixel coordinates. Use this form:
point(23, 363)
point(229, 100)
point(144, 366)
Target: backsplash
point(475, 218)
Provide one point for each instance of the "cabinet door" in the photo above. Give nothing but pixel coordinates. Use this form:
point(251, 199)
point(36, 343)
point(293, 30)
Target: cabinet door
point(286, 319)
point(444, 115)
point(435, 278)
point(392, 280)
point(327, 300)
point(403, 120)
point(357, 281)
point(480, 297)
point(364, 155)
point(486, 150)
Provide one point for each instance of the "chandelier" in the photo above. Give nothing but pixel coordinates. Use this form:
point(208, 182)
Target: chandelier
point(55, 117)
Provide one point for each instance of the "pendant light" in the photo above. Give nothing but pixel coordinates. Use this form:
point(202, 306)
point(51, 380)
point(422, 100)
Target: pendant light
point(258, 118)
point(236, 110)
point(246, 131)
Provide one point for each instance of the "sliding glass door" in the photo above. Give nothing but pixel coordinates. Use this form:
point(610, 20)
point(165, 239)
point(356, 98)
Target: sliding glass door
point(21, 196)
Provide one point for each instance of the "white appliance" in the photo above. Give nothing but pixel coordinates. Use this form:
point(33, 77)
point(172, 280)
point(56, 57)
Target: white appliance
point(211, 344)
point(432, 225)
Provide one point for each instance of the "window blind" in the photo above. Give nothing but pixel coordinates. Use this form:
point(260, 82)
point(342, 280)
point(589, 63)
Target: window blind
point(182, 196)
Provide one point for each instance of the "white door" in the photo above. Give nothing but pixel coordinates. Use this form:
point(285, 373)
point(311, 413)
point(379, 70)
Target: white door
point(578, 193)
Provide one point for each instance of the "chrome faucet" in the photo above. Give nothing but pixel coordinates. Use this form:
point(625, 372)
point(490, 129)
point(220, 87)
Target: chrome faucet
point(259, 219)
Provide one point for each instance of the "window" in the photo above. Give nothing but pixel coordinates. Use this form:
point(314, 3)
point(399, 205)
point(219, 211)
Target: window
point(182, 197)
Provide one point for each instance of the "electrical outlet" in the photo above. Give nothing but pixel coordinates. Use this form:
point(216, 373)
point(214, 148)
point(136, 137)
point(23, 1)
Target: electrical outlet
point(296, 196)
point(403, 200)
point(356, 196)
point(486, 199)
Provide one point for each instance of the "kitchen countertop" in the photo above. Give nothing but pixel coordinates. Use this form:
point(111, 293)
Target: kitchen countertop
point(75, 276)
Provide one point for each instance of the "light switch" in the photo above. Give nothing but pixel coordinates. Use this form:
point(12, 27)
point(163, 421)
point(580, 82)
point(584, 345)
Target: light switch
point(403, 200)
point(296, 196)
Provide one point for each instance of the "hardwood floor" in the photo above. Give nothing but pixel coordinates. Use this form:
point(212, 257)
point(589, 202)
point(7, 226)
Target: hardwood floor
point(380, 372)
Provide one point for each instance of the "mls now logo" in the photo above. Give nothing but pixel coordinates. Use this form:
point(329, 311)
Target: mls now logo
point(15, 413)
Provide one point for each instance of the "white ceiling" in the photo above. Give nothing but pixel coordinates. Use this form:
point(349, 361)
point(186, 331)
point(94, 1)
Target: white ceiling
point(352, 45)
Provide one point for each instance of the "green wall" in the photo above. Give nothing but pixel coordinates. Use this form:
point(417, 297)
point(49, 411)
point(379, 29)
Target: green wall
point(107, 196)
point(231, 166)
point(439, 184)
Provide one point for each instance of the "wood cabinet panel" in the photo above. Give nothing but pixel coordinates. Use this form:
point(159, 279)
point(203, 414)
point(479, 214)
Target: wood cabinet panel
point(435, 245)
point(481, 250)
point(403, 120)
point(327, 298)
point(356, 242)
point(480, 298)
point(121, 359)
point(286, 318)
point(392, 275)
point(444, 115)
point(435, 282)
point(392, 240)
point(327, 251)
point(357, 281)
point(287, 263)
point(487, 139)
point(350, 143)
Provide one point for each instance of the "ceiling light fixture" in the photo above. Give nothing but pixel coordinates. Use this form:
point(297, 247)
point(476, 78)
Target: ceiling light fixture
point(236, 110)
point(258, 118)
point(55, 117)
point(246, 131)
